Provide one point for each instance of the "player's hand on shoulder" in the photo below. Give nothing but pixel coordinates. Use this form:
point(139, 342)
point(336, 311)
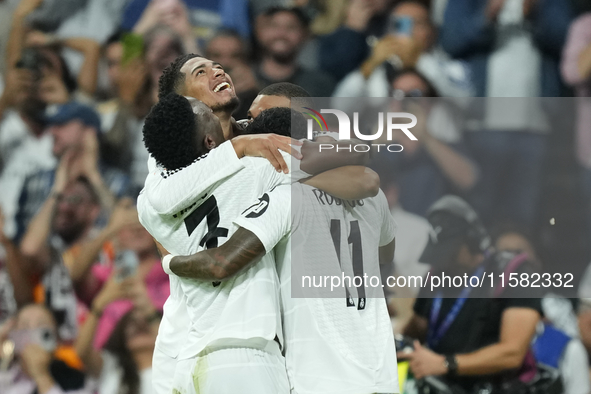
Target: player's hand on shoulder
point(267, 146)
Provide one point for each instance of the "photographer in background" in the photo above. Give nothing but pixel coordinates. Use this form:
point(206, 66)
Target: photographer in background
point(30, 367)
point(472, 338)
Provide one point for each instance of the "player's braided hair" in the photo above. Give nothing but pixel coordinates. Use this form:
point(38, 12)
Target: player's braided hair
point(172, 79)
point(170, 132)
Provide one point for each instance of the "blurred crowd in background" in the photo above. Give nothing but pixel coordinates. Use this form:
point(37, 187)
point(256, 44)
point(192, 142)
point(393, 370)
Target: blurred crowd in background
point(78, 77)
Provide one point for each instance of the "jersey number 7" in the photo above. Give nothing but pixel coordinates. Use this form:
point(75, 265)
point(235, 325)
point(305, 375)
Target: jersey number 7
point(356, 256)
point(209, 209)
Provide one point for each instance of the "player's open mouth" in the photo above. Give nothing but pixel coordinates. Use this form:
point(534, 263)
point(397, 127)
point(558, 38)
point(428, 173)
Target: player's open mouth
point(221, 86)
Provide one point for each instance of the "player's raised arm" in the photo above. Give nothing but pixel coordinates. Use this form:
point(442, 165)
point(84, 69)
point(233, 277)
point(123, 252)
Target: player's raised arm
point(241, 251)
point(348, 182)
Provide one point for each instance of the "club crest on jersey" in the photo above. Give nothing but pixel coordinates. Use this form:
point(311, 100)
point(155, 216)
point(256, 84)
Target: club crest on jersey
point(256, 210)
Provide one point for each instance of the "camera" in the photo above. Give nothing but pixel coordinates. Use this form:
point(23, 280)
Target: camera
point(44, 337)
point(31, 60)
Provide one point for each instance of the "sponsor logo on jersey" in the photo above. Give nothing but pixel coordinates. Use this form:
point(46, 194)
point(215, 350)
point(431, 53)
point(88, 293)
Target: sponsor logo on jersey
point(256, 210)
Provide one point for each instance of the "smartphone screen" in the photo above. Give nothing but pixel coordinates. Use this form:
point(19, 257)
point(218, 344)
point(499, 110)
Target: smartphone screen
point(401, 25)
point(126, 263)
point(133, 47)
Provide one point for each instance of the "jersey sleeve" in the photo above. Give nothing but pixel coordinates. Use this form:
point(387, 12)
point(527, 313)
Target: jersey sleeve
point(389, 227)
point(269, 218)
point(169, 192)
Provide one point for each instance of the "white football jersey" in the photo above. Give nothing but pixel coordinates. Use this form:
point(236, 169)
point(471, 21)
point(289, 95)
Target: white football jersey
point(246, 306)
point(164, 195)
point(332, 345)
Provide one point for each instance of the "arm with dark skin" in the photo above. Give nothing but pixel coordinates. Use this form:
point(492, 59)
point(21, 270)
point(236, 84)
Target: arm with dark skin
point(241, 251)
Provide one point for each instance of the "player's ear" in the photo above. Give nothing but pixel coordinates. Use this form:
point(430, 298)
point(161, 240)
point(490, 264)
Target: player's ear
point(210, 142)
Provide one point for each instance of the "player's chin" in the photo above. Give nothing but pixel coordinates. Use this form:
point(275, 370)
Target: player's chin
point(228, 104)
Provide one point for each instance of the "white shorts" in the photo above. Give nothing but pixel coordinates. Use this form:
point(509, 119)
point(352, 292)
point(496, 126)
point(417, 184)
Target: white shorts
point(231, 370)
point(163, 369)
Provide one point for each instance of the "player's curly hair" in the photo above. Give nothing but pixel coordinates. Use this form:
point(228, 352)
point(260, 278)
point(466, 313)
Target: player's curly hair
point(172, 79)
point(171, 134)
point(279, 120)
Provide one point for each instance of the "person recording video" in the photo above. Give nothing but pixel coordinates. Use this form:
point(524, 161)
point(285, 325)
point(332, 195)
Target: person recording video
point(27, 360)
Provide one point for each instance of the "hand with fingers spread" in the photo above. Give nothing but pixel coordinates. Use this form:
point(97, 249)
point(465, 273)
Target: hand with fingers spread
point(267, 146)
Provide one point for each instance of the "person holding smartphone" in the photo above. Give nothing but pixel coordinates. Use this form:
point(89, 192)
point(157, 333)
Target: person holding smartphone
point(408, 41)
point(27, 363)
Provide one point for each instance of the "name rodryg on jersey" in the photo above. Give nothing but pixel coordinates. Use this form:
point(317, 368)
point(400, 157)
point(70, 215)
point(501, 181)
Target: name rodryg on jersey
point(326, 199)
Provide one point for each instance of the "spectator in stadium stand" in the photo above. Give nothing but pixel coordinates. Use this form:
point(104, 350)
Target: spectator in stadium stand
point(229, 49)
point(513, 49)
point(576, 71)
point(162, 45)
point(281, 40)
point(37, 76)
point(32, 365)
point(409, 41)
point(129, 102)
point(470, 335)
point(172, 14)
point(558, 335)
point(12, 274)
point(75, 129)
point(439, 161)
point(95, 259)
point(126, 359)
point(65, 218)
point(346, 48)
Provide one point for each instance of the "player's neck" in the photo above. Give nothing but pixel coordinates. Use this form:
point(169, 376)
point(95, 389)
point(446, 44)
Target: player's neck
point(226, 122)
